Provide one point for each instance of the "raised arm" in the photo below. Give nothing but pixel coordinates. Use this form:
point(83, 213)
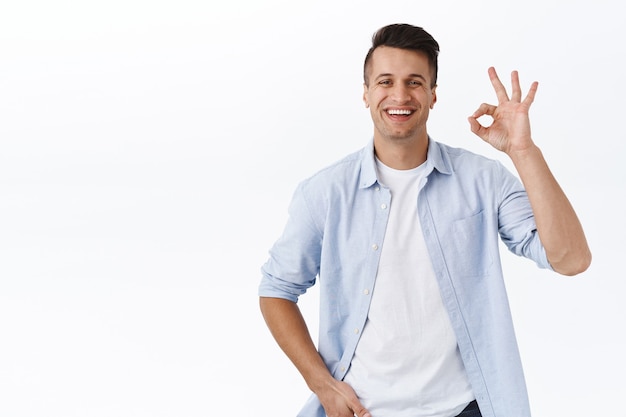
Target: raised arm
point(557, 224)
point(288, 327)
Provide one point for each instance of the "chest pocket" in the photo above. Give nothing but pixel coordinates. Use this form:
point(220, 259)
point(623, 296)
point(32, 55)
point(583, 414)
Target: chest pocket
point(469, 247)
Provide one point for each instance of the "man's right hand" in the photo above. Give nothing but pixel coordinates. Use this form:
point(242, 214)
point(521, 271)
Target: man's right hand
point(288, 327)
point(340, 400)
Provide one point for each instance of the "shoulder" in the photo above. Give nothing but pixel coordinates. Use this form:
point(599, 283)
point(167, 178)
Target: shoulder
point(460, 158)
point(471, 170)
point(315, 195)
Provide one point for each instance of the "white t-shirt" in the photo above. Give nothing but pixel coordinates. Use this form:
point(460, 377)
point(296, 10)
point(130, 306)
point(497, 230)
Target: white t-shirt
point(407, 362)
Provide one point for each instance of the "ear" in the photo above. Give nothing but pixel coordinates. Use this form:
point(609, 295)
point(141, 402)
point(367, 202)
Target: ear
point(433, 100)
point(365, 91)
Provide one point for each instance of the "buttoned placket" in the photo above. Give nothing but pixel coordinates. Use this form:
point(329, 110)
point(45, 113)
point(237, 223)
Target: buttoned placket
point(381, 199)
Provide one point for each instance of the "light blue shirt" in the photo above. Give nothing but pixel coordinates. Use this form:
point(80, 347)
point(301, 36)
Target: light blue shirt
point(335, 231)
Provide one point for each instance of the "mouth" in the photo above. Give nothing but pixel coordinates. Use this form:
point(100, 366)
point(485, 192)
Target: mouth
point(399, 115)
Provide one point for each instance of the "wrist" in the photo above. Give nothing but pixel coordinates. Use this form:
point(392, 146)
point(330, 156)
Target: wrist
point(321, 383)
point(521, 154)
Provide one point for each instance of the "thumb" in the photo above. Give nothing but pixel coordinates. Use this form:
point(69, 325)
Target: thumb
point(360, 411)
point(476, 128)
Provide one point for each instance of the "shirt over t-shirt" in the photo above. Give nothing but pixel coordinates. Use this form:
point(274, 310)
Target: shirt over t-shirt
point(334, 235)
point(407, 362)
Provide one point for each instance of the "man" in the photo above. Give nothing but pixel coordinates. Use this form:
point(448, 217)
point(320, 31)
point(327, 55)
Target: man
point(403, 235)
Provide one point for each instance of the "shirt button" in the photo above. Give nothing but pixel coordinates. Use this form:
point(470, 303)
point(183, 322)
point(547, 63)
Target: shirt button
point(383, 206)
point(356, 331)
point(366, 291)
point(377, 188)
point(343, 369)
point(375, 246)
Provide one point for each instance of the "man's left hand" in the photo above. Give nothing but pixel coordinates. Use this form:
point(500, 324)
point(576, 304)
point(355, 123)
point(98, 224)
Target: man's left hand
point(510, 130)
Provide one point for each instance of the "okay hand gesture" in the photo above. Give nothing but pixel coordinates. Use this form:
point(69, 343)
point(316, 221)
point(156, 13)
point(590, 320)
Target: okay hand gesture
point(510, 130)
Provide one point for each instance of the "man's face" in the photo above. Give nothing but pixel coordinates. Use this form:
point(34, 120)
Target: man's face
point(399, 94)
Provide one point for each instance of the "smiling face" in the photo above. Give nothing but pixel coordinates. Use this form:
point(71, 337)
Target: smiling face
point(399, 94)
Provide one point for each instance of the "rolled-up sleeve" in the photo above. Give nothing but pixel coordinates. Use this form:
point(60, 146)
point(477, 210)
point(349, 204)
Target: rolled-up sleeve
point(517, 226)
point(294, 260)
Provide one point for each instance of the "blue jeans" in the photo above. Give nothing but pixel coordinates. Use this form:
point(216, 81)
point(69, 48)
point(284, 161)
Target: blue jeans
point(471, 410)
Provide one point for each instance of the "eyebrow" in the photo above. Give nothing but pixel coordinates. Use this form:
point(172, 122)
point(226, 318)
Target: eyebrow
point(388, 74)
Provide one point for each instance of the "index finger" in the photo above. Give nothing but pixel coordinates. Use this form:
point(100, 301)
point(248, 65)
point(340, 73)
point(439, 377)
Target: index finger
point(501, 93)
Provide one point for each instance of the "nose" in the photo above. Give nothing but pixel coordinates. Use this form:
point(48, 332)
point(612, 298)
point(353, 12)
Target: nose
point(400, 93)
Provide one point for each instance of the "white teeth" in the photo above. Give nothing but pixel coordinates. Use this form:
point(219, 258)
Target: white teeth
point(397, 112)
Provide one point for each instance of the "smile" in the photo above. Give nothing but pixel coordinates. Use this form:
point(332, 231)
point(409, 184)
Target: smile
point(399, 112)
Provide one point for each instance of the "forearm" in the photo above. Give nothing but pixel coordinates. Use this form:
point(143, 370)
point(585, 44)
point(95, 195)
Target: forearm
point(288, 327)
point(557, 223)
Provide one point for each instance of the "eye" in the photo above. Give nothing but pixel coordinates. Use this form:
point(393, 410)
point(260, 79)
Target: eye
point(384, 82)
point(415, 83)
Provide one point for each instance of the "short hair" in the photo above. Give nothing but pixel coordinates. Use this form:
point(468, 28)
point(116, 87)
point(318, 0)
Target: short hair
point(404, 36)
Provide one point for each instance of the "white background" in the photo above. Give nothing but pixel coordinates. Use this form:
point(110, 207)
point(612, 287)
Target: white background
point(148, 152)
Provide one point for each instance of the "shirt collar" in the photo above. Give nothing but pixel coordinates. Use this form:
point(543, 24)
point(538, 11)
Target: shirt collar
point(368, 166)
point(436, 158)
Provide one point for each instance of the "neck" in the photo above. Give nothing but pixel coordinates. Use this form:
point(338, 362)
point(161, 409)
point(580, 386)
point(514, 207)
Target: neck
point(401, 154)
